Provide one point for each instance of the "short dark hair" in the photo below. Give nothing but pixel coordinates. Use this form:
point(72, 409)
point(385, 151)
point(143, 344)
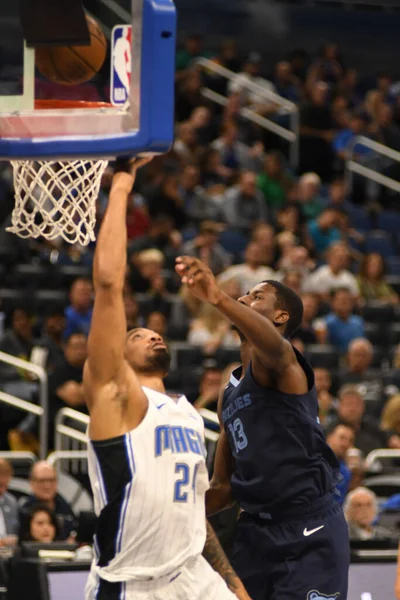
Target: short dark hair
point(288, 300)
point(335, 424)
point(27, 517)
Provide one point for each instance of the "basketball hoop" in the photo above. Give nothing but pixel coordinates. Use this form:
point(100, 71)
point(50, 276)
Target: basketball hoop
point(57, 198)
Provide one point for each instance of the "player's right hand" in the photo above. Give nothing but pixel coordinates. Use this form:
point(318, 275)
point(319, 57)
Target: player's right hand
point(125, 174)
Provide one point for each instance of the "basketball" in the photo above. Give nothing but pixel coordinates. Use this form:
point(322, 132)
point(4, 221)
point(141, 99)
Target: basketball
point(72, 65)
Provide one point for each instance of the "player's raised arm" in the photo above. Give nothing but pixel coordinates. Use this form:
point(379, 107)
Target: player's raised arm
point(106, 341)
point(261, 333)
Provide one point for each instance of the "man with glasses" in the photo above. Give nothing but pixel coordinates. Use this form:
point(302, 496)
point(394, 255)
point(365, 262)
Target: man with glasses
point(43, 480)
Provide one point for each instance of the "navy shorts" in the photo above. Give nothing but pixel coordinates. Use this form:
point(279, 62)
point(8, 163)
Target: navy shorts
point(302, 557)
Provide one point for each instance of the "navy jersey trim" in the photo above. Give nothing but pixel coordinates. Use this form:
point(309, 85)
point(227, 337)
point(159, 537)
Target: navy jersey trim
point(111, 590)
point(116, 466)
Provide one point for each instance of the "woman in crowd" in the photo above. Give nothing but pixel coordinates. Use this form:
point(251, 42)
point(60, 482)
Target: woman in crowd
point(371, 280)
point(42, 526)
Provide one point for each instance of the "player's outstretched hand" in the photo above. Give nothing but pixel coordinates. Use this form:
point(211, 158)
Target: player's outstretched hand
point(198, 278)
point(125, 172)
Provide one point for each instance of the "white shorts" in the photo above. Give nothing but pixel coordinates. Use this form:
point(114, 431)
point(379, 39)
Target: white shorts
point(195, 580)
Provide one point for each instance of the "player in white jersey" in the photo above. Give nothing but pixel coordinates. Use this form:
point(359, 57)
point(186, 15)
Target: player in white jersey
point(146, 450)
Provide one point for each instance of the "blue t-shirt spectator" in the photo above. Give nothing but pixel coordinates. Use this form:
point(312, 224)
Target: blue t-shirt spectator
point(323, 238)
point(343, 487)
point(77, 322)
point(342, 331)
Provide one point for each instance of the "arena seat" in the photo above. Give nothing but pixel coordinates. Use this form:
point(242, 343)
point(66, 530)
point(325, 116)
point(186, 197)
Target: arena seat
point(394, 281)
point(380, 242)
point(226, 356)
point(389, 220)
point(360, 219)
point(376, 333)
point(383, 485)
point(393, 334)
point(233, 242)
point(44, 298)
point(393, 263)
point(322, 356)
point(31, 275)
point(376, 312)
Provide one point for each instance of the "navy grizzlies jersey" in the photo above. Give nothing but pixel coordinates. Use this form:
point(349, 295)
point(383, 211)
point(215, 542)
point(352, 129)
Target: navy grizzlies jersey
point(282, 459)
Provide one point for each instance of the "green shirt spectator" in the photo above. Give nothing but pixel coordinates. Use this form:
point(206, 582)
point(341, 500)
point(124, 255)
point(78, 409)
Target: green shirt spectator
point(274, 182)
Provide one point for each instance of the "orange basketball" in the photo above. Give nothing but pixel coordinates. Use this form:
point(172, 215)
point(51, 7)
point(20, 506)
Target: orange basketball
point(72, 65)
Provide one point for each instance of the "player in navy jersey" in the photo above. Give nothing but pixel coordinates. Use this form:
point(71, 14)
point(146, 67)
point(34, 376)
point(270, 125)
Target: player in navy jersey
point(291, 541)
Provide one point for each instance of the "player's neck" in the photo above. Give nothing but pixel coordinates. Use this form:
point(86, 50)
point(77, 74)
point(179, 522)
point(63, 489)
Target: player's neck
point(245, 354)
point(153, 382)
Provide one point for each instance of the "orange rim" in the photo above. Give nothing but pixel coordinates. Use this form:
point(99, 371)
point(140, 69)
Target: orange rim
point(65, 104)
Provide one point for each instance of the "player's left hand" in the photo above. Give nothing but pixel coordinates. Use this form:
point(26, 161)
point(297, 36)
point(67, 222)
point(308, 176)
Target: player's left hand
point(198, 278)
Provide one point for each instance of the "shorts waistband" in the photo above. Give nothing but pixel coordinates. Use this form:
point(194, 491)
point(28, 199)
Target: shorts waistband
point(295, 511)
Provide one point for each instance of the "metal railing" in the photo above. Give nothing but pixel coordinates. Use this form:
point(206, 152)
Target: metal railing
point(42, 410)
point(17, 457)
point(290, 135)
point(69, 439)
point(56, 457)
point(376, 455)
point(369, 166)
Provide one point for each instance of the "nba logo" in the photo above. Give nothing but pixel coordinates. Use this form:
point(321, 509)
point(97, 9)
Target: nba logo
point(121, 64)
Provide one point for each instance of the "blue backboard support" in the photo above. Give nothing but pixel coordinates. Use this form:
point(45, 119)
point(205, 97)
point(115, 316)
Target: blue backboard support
point(146, 127)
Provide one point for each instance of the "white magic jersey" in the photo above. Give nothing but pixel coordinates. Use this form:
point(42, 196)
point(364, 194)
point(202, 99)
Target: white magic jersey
point(149, 487)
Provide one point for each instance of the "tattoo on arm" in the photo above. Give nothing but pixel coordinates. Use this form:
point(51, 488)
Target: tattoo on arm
point(216, 557)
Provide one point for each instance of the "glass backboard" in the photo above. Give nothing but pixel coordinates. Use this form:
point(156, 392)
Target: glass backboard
point(43, 119)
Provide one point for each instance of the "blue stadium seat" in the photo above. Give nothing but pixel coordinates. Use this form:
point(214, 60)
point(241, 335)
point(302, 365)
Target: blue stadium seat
point(389, 220)
point(393, 264)
point(359, 219)
point(380, 242)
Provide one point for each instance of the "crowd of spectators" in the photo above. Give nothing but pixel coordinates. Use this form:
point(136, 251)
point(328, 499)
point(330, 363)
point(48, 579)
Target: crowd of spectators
point(226, 193)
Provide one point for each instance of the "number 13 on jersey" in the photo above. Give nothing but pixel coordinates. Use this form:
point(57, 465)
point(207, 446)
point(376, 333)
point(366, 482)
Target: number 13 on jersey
point(238, 435)
point(184, 480)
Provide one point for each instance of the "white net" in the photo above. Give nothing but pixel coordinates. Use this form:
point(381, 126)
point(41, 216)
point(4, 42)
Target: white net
point(56, 199)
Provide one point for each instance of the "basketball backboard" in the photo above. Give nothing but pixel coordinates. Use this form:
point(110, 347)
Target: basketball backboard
point(144, 124)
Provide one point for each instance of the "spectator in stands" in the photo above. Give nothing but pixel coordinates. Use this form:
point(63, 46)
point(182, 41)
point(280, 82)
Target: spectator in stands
point(43, 480)
point(131, 311)
point(356, 125)
point(359, 373)
point(205, 246)
point(386, 131)
point(324, 230)
point(166, 199)
point(40, 526)
point(251, 272)
point(361, 511)
point(203, 124)
point(338, 196)
point(145, 268)
point(351, 410)
point(390, 418)
point(193, 48)
point(244, 205)
point(161, 236)
point(157, 321)
point(53, 337)
point(214, 175)
point(309, 186)
point(294, 279)
point(328, 66)
point(342, 326)
point(264, 236)
point(65, 383)
point(251, 74)
point(371, 280)
point(79, 313)
point(298, 257)
point(209, 389)
point(327, 403)
point(340, 437)
point(235, 155)
point(18, 341)
point(288, 218)
point(211, 331)
point(197, 205)
point(316, 133)
point(334, 274)
point(185, 145)
point(274, 181)
point(306, 332)
point(286, 84)
point(9, 514)
point(188, 96)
